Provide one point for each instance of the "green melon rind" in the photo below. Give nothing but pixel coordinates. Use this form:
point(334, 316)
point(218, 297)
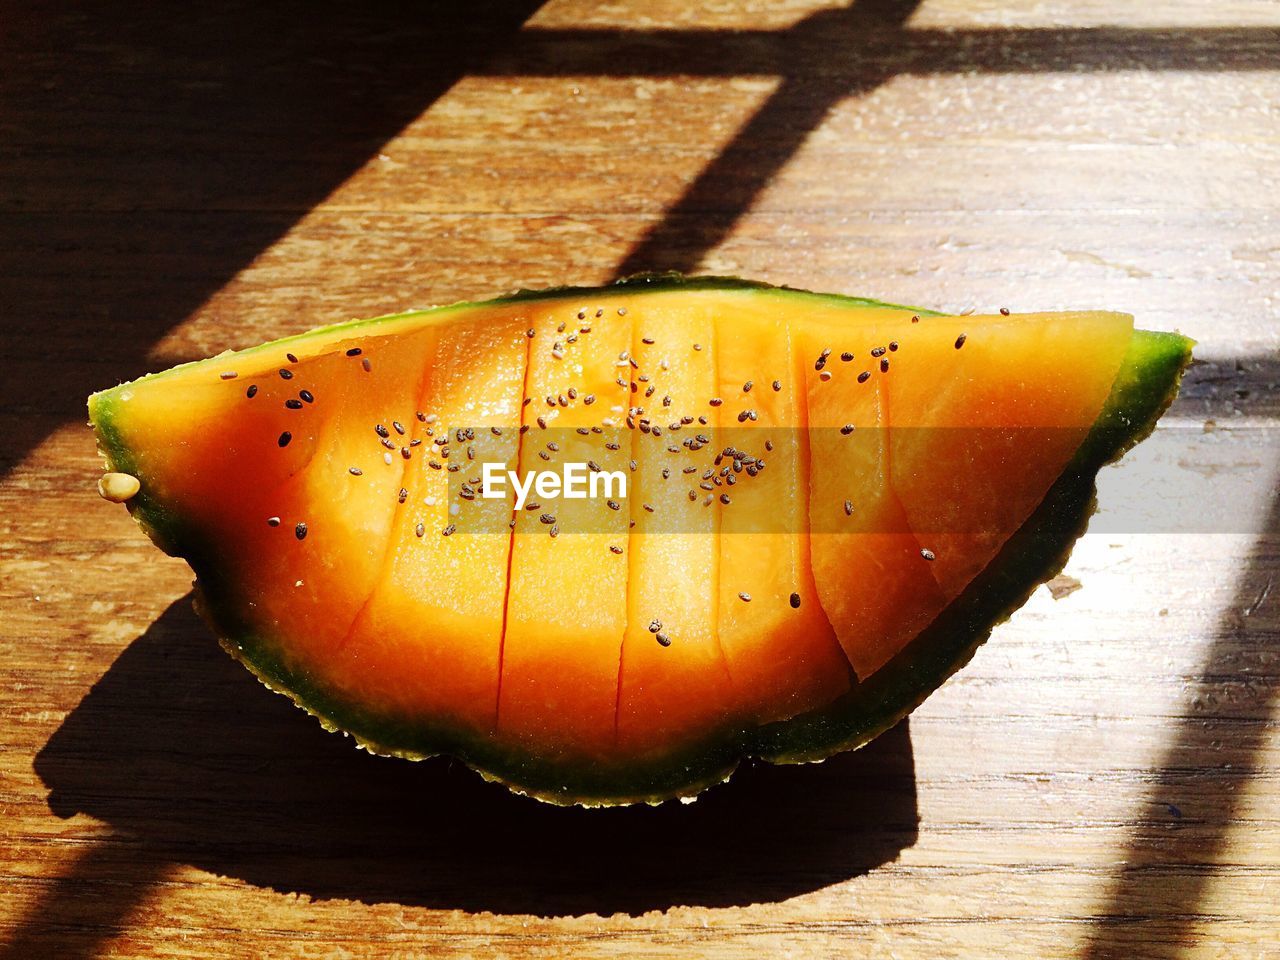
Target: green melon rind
point(1145, 385)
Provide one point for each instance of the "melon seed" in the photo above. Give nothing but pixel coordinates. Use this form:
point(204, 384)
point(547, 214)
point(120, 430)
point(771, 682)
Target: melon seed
point(118, 487)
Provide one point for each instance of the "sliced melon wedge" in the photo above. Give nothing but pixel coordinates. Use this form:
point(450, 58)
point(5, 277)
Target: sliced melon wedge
point(587, 651)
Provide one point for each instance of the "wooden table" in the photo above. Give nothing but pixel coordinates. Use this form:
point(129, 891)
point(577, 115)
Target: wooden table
point(1103, 780)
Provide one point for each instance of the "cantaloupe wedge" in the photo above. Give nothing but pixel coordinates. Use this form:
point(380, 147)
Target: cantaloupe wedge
point(829, 504)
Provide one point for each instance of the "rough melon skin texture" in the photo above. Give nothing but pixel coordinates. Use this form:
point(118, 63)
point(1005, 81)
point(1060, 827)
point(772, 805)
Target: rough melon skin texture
point(535, 659)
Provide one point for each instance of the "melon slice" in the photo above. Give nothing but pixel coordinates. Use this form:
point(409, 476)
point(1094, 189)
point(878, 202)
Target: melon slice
point(855, 517)
point(674, 687)
point(437, 604)
point(778, 641)
point(308, 506)
point(566, 590)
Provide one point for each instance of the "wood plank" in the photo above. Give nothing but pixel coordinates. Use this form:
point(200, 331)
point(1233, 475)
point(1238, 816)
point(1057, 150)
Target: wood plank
point(1102, 781)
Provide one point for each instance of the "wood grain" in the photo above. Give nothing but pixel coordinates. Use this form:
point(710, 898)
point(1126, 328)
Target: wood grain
point(1102, 781)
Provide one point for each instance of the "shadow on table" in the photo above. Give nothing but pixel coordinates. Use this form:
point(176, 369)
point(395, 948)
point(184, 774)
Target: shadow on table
point(190, 760)
point(149, 152)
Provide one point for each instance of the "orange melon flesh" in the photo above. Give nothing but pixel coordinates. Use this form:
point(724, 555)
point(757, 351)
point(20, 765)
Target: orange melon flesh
point(307, 590)
point(567, 595)
point(440, 601)
point(783, 659)
point(677, 693)
point(875, 587)
point(180, 451)
point(973, 451)
point(336, 568)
